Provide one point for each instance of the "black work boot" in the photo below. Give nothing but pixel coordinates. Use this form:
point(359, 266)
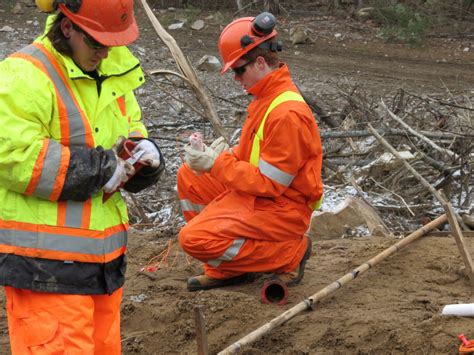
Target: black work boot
point(203, 282)
point(294, 277)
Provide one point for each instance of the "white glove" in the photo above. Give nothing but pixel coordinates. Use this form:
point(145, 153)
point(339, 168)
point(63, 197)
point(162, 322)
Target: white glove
point(219, 145)
point(151, 156)
point(122, 173)
point(200, 161)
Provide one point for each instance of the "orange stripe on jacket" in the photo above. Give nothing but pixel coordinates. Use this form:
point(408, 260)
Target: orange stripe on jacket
point(62, 112)
point(86, 214)
point(121, 105)
point(61, 176)
point(38, 168)
point(87, 128)
point(62, 213)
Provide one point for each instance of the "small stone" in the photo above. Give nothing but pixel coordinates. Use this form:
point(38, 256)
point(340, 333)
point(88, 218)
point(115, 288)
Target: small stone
point(176, 26)
point(198, 25)
point(17, 9)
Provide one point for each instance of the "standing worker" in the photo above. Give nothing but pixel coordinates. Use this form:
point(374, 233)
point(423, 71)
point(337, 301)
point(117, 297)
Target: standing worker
point(65, 101)
point(248, 207)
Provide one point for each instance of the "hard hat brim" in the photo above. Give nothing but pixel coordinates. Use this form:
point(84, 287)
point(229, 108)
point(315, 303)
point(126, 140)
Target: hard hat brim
point(120, 36)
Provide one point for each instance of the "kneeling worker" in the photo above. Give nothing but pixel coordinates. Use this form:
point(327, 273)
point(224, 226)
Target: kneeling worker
point(248, 207)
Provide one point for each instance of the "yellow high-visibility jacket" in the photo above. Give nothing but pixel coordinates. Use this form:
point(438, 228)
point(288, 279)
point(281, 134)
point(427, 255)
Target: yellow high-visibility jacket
point(56, 233)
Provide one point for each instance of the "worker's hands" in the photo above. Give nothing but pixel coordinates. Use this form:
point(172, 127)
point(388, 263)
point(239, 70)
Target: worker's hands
point(122, 173)
point(219, 145)
point(151, 157)
point(118, 145)
point(200, 161)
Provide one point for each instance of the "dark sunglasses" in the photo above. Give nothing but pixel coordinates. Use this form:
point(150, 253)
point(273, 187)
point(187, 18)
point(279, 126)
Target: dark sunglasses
point(239, 71)
point(91, 42)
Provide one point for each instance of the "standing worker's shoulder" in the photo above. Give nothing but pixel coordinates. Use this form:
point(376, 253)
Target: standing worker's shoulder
point(22, 77)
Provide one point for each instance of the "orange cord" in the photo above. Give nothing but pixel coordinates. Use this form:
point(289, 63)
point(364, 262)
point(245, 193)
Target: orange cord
point(162, 260)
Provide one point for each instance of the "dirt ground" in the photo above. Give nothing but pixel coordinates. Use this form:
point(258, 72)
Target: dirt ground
point(394, 308)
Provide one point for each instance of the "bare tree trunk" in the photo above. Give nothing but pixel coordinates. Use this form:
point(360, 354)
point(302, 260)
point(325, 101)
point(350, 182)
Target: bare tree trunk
point(272, 6)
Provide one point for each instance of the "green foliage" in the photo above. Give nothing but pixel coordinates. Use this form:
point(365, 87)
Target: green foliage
point(401, 23)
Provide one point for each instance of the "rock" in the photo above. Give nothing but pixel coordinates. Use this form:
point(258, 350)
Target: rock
point(176, 26)
point(350, 215)
point(176, 107)
point(198, 25)
point(298, 34)
point(6, 28)
point(383, 164)
point(365, 13)
point(17, 9)
point(209, 63)
point(468, 220)
point(29, 3)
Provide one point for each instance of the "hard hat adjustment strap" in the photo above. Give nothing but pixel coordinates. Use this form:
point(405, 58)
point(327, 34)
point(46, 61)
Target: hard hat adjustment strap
point(273, 46)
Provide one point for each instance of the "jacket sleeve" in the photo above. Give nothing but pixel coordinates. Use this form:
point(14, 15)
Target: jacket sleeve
point(136, 127)
point(283, 152)
point(32, 162)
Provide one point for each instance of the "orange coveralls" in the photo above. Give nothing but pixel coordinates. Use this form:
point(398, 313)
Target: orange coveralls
point(240, 220)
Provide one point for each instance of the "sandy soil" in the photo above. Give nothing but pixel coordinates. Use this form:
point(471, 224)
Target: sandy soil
point(393, 308)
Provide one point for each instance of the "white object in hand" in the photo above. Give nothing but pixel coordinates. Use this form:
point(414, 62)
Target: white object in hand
point(122, 173)
point(462, 310)
point(195, 140)
point(150, 154)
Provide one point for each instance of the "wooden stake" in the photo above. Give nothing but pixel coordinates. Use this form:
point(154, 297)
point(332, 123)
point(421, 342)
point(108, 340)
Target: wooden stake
point(458, 236)
point(311, 301)
point(201, 335)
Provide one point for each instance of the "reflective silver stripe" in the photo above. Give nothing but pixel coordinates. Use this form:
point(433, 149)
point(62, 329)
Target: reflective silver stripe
point(188, 206)
point(229, 254)
point(275, 174)
point(63, 243)
point(136, 134)
point(49, 173)
point(74, 214)
point(77, 130)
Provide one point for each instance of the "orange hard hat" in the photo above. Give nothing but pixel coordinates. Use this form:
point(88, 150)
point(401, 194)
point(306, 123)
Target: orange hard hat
point(244, 34)
point(109, 22)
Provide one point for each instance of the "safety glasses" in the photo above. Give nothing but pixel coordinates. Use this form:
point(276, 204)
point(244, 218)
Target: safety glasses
point(239, 71)
point(91, 42)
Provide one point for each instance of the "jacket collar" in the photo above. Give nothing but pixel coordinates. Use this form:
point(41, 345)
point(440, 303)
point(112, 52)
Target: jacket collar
point(273, 83)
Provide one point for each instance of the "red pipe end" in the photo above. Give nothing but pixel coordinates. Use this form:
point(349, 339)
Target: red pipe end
point(274, 291)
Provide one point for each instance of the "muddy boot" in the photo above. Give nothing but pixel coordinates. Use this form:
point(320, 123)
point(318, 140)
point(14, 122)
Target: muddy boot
point(203, 282)
point(294, 277)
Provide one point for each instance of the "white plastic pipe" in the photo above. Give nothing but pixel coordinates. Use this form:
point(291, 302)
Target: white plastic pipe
point(463, 310)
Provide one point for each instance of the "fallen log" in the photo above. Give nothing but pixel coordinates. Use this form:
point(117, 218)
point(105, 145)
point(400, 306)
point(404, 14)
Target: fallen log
point(389, 132)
